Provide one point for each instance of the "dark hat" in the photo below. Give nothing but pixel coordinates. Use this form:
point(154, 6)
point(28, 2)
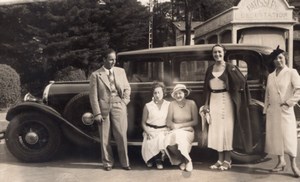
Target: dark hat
point(275, 53)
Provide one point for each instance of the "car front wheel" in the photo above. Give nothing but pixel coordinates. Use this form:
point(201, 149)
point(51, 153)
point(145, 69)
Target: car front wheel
point(33, 137)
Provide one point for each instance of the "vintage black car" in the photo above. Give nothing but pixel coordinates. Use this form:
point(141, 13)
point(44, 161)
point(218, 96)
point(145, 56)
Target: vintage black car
point(37, 127)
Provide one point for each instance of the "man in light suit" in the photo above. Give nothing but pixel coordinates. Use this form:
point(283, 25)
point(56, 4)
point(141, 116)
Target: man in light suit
point(109, 95)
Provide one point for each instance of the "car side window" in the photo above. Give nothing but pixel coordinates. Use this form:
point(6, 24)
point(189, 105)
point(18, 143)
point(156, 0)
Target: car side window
point(144, 71)
point(248, 63)
point(190, 68)
point(193, 70)
point(241, 64)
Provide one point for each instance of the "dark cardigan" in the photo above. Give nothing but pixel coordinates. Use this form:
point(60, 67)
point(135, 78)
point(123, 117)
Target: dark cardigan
point(236, 85)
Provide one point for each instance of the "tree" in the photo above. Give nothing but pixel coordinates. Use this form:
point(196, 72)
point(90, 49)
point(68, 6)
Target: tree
point(46, 37)
point(163, 34)
point(211, 8)
point(195, 10)
point(127, 24)
point(188, 7)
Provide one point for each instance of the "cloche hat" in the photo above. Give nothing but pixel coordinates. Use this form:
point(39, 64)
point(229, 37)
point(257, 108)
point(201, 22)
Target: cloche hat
point(180, 87)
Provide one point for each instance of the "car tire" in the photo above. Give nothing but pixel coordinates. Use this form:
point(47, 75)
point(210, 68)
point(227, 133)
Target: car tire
point(42, 147)
point(73, 112)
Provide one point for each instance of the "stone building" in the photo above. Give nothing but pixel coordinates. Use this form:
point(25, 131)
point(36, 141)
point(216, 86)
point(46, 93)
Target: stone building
point(262, 22)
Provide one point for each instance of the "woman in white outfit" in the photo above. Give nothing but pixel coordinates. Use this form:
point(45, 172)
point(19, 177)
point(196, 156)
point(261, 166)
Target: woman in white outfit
point(154, 125)
point(282, 93)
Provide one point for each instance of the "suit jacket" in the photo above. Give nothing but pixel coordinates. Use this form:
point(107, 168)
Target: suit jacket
point(100, 90)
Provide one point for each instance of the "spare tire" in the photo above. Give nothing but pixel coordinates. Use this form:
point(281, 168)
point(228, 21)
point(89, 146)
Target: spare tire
point(73, 112)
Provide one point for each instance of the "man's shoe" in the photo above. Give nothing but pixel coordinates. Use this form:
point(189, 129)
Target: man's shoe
point(108, 168)
point(159, 164)
point(149, 164)
point(182, 166)
point(128, 168)
point(189, 166)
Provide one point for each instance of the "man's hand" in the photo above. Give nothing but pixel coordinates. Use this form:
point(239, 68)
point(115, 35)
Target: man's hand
point(98, 119)
point(284, 104)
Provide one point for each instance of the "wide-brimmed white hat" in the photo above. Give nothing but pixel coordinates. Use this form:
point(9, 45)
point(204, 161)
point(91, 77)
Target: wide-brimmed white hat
point(180, 87)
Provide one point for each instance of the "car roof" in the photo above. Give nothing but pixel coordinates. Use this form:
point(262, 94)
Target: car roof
point(195, 48)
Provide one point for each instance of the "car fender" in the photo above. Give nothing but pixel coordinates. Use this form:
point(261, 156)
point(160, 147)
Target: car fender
point(48, 111)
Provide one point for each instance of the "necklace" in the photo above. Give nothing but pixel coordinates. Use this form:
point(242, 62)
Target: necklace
point(158, 101)
point(181, 105)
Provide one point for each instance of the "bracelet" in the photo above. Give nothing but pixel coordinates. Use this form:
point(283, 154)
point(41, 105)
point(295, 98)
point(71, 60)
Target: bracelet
point(97, 114)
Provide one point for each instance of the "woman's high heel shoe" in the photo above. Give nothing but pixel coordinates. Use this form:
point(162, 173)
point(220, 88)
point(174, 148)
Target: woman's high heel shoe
point(279, 167)
point(296, 171)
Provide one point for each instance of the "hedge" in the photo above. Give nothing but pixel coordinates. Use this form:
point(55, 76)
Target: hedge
point(10, 86)
point(70, 74)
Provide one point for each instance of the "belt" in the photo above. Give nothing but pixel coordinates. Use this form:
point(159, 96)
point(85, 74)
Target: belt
point(219, 91)
point(155, 126)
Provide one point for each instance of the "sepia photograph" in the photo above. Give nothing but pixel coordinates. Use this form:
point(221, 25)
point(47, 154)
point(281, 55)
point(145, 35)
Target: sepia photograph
point(149, 90)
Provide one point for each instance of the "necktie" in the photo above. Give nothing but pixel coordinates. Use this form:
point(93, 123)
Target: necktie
point(112, 81)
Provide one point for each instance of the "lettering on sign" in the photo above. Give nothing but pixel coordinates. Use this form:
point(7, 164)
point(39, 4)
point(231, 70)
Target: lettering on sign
point(265, 15)
point(256, 4)
point(263, 10)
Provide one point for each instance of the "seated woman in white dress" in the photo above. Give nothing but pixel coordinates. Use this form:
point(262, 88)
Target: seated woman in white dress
point(182, 116)
point(154, 125)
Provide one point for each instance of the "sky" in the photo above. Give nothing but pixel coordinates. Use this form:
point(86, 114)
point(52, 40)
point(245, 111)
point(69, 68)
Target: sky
point(144, 2)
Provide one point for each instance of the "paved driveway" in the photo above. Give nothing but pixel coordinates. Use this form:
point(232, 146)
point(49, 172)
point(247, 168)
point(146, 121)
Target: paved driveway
point(78, 165)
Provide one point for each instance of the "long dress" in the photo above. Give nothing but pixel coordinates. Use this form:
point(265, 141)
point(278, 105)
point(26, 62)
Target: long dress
point(220, 131)
point(182, 137)
point(236, 84)
point(152, 147)
point(281, 134)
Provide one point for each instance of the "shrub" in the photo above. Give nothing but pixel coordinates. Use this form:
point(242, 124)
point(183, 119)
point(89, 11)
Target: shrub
point(70, 74)
point(10, 89)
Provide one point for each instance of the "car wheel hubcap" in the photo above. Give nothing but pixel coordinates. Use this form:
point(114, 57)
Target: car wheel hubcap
point(31, 138)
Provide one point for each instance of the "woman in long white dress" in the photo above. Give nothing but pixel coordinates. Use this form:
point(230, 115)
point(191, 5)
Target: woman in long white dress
point(282, 93)
point(182, 116)
point(224, 86)
point(154, 125)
